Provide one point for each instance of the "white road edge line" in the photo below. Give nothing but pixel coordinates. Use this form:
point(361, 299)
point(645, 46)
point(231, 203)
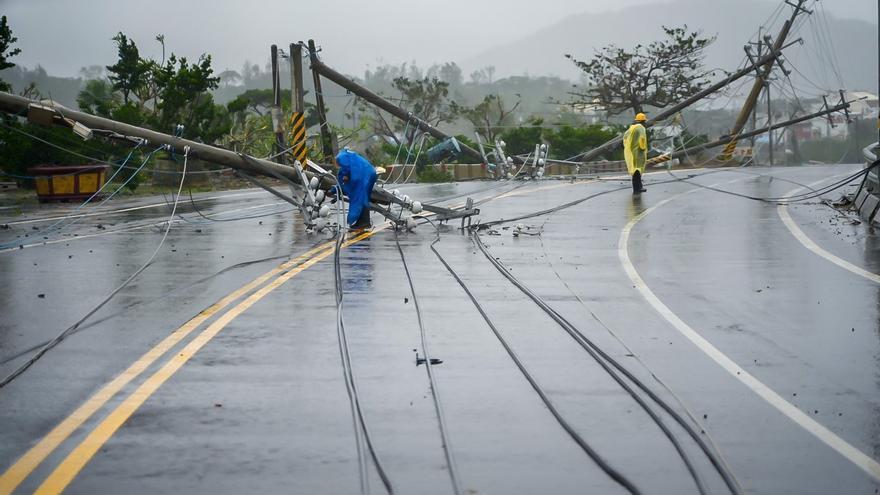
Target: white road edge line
point(854, 455)
point(808, 243)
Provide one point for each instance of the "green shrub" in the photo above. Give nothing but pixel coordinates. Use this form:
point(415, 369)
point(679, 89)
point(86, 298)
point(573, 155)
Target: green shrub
point(434, 174)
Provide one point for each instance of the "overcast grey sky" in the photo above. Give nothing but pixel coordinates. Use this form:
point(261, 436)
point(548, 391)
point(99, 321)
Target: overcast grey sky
point(64, 35)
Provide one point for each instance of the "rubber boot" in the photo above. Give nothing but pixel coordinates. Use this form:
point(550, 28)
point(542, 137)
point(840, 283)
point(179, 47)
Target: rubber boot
point(637, 183)
point(363, 221)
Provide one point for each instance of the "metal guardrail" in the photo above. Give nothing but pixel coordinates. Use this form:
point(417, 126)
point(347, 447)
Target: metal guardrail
point(872, 182)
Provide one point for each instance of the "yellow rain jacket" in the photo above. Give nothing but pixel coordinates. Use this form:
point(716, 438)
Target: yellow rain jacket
point(635, 148)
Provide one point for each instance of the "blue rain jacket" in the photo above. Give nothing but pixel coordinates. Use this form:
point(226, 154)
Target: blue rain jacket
point(356, 176)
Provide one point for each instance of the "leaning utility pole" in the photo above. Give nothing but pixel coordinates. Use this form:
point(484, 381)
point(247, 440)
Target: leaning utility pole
point(760, 47)
point(327, 144)
point(319, 67)
point(762, 76)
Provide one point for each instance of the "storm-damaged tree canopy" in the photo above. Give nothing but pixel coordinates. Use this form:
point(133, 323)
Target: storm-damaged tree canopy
point(655, 75)
point(158, 94)
point(491, 116)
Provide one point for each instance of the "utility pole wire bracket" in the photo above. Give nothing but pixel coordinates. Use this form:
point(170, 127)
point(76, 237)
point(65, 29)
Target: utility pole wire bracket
point(777, 54)
point(800, 6)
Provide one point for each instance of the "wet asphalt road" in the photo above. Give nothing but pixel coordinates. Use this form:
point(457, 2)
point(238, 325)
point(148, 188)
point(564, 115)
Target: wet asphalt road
point(262, 406)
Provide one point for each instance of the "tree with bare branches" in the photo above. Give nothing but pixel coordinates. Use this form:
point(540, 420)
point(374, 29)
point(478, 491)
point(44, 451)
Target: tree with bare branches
point(490, 116)
point(655, 75)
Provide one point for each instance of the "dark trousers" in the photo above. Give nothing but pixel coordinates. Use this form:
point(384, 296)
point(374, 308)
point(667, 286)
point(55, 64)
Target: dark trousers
point(637, 181)
point(364, 220)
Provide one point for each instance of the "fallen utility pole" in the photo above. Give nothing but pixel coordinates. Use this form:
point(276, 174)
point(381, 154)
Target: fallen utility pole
point(733, 138)
point(665, 114)
point(62, 116)
point(320, 68)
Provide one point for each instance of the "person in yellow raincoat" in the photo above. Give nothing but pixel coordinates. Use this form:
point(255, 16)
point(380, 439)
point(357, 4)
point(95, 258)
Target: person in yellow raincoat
point(635, 151)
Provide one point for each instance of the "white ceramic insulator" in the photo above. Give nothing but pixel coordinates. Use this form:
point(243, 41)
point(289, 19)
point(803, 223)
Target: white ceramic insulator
point(541, 162)
point(314, 183)
point(416, 207)
point(540, 172)
point(543, 147)
point(509, 175)
point(319, 196)
point(324, 212)
point(320, 224)
point(520, 226)
point(396, 192)
point(510, 160)
point(502, 144)
point(410, 223)
point(405, 198)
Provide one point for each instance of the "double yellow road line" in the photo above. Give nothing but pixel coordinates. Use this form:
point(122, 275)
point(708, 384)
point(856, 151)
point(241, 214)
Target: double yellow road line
point(67, 470)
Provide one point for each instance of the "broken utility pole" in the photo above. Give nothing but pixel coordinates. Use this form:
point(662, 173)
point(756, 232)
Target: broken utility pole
point(62, 116)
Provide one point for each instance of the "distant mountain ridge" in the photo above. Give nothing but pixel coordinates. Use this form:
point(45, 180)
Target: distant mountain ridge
point(542, 52)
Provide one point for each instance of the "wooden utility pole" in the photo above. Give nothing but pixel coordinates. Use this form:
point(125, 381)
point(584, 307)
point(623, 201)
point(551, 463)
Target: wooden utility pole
point(760, 47)
point(296, 78)
point(763, 73)
point(326, 136)
point(277, 126)
point(298, 116)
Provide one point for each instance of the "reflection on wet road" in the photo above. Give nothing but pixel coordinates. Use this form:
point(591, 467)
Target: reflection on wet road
point(233, 383)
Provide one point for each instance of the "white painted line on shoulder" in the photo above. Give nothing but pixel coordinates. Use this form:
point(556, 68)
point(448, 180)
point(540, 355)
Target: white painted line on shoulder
point(829, 438)
point(808, 243)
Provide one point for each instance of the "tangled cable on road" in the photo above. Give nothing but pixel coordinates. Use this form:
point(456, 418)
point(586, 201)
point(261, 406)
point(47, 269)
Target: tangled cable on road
point(362, 431)
point(61, 336)
point(607, 362)
point(578, 439)
point(432, 380)
point(795, 198)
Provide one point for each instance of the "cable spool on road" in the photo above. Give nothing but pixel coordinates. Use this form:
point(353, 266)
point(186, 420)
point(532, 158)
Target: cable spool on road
point(298, 137)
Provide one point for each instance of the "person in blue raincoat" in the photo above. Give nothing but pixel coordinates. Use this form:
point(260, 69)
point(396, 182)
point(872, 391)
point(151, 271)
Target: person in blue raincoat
point(356, 176)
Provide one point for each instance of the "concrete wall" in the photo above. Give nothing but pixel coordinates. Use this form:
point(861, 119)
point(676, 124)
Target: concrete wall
point(167, 172)
point(399, 173)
